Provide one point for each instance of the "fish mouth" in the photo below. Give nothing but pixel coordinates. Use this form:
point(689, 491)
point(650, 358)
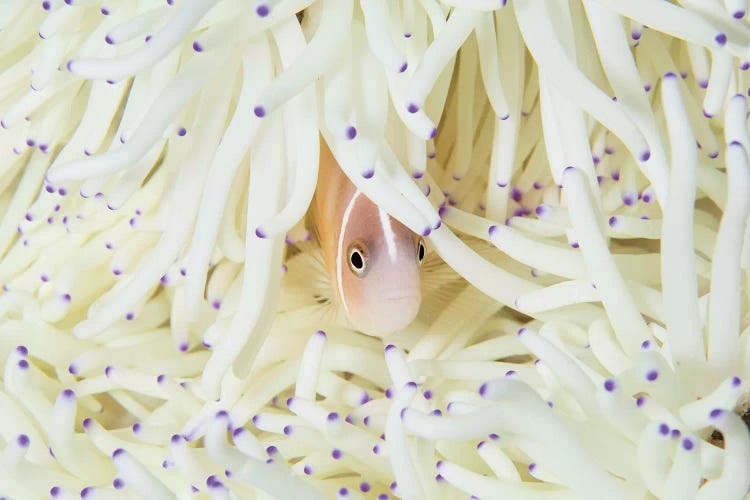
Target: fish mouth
point(403, 297)
point(397, 298)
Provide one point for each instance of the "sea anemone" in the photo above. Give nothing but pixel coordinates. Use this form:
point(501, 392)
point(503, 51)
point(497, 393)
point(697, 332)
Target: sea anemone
point(579, 171)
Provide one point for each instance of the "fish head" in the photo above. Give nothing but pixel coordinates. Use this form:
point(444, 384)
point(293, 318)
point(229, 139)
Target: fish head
point(378, 269)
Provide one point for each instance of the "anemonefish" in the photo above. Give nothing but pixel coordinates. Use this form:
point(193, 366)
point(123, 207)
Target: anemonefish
point(373, 261)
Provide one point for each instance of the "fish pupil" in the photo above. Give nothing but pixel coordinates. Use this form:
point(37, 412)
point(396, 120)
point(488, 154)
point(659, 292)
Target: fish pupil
point(420, 252)
point(357, 260)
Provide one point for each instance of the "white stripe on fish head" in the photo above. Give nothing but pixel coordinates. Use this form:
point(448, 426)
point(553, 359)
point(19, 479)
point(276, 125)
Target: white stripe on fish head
point(340, 249)
point(388, 234)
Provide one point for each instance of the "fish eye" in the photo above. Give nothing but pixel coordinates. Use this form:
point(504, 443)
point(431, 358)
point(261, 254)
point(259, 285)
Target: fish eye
point(420, 251)
point(357, 259)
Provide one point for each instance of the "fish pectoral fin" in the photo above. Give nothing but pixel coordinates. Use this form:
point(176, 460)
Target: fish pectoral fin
point(306, 281)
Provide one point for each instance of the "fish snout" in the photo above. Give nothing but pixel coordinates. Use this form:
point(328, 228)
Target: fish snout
point(392, 312)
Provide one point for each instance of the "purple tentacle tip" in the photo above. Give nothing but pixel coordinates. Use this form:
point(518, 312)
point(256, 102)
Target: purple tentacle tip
point(54, 491)
point(609, 385)
point(23, 440)
point(736, 381)
point(259, 232)
point(68, 394)
point(412, 108)
point(333, 417)
point(721, 39)
point(403, 67)
point(23, 364)
point(262, 10)
point(645, 155)
point(739, 14)
point(687, 444)
point(716, 413)
point(351, 133)
point(118, 453)
point(197, 46)
point(86, 491)
point(368, 174)
point(109, 40)
point(613, 221)
point(23, 351)
point(86, 422)
point(663, 429)
point(652, 375)
point(433, 133)
point(426, 231)
point(492, 230)
point(259, 111)
point(483, 389)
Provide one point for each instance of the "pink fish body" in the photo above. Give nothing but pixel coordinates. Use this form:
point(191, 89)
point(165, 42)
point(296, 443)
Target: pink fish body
point(373, 261)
